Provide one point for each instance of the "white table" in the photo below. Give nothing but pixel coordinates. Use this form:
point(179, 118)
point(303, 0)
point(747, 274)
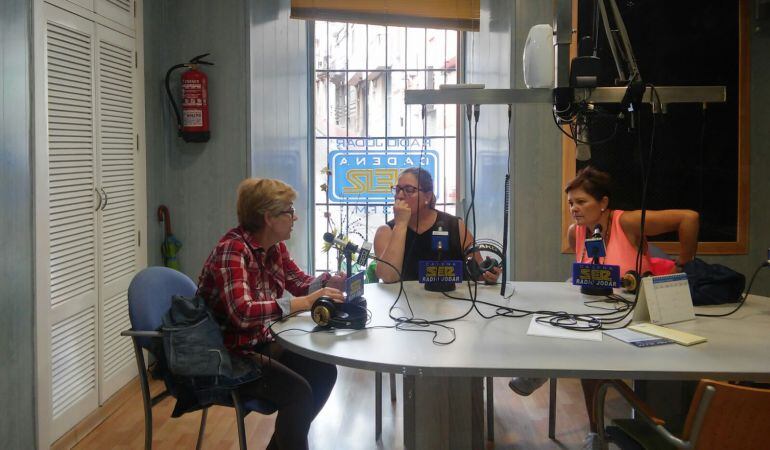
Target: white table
point(443, 405)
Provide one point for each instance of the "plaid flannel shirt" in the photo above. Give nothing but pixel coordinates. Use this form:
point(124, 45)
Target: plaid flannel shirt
point(241, 282)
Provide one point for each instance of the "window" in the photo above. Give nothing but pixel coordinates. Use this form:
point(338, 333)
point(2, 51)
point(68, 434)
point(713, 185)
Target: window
point(365, 134)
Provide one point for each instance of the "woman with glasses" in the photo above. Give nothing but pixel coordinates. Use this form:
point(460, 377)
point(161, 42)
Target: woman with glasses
point(407, 239)
point(249, 280)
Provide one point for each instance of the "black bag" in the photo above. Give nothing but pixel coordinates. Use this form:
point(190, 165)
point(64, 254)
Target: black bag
point(713, 284)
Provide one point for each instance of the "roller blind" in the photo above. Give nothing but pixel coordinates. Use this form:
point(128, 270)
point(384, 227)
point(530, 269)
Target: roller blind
point(447, 14)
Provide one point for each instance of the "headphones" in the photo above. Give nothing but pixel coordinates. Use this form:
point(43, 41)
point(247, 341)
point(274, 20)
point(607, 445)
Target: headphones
point(473, 269)
point(631, 280)
point(328, 314)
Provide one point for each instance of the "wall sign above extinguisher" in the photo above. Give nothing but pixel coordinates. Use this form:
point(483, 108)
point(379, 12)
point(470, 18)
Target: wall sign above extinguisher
point(193, 122)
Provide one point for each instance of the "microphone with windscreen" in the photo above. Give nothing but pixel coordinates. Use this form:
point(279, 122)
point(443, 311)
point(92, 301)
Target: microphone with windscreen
point(594, 245)
point(582, 147)
point(349, 248)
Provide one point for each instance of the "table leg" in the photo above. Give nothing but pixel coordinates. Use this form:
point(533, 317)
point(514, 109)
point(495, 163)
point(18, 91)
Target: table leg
point(443, 412)
point(377, 405)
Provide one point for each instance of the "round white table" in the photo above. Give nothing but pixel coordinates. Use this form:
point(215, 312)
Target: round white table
point(443, 392)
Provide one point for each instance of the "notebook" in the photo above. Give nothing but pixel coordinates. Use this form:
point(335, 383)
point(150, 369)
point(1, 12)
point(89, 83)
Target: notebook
point(680, 337)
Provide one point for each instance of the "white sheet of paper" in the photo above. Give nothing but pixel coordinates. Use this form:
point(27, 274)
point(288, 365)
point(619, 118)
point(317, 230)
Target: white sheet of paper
point(542, 329)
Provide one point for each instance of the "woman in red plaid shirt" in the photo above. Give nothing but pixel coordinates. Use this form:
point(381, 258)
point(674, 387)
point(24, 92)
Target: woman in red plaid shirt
point(250, 280)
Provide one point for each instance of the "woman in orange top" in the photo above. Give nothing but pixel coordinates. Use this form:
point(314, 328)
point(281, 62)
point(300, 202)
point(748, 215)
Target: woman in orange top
point(588, 195)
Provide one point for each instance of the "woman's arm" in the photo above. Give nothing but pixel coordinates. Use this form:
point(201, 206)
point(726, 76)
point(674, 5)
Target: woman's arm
point(389, 246)
point(684, 221)
point(298, 282)
point(389, 243)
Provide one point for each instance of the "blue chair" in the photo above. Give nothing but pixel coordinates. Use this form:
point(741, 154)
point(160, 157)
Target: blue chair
point(149, 297)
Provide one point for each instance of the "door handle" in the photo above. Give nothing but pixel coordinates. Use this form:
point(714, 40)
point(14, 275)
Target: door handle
point(100, 200)
point(105, 198)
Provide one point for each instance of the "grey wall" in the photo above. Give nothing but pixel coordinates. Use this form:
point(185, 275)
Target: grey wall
point(536, 158)
point(279, 109)
point(17, 428)
point(197, 181)
point(258, 110)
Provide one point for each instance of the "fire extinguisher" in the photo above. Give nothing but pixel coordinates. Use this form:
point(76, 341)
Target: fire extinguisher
point(193, 122)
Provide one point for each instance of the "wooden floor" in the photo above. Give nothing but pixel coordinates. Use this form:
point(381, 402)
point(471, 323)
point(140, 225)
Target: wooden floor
point(347, 420)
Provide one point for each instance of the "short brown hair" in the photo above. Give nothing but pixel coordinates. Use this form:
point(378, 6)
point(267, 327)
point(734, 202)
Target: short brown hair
point(595, 182)
point(258, 196)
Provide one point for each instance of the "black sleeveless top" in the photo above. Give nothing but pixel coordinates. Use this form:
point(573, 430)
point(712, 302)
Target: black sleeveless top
point(419, 246)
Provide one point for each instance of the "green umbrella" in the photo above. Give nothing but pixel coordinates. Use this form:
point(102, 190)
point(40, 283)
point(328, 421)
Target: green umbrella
point(171, 244)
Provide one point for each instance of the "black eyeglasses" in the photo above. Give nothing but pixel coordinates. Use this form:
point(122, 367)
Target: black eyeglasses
point(406, 189)
point(289, 211)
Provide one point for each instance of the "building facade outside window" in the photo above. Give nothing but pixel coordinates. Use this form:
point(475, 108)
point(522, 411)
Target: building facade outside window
point(364, 133)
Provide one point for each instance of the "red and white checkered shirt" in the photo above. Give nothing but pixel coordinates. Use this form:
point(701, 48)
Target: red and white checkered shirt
point(241, 282)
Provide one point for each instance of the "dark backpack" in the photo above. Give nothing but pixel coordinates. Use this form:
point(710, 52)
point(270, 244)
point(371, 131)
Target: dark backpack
point(194, 362)
point(713, 284)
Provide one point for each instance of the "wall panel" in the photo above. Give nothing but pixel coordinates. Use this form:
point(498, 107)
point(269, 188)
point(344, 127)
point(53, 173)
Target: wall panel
point(17, 267)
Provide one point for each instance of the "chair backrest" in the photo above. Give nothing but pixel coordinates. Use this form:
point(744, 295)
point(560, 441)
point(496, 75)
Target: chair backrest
point(737, 417)
point(149, 297)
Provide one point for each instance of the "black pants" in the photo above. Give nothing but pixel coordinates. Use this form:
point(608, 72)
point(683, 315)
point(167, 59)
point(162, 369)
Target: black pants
point(297, 386)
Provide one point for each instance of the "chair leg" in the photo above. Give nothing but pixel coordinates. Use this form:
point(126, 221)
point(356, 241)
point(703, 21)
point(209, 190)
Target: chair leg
point(204, 414)
point(552, 408)
point(146, 399)
point(393, 388)
point(239, 419)
point(377, 405)
point(490, 408)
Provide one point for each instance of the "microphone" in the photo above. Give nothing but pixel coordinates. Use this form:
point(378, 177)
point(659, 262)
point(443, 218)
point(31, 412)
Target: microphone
point(595, 244)
point(597, 231)
point(583, 149)
point(349, 247)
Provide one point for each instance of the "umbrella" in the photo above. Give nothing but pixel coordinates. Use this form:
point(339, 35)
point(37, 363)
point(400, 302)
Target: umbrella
point(171, 244)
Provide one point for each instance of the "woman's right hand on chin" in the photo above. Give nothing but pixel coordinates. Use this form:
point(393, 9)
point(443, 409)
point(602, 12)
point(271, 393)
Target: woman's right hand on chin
point(401, 212)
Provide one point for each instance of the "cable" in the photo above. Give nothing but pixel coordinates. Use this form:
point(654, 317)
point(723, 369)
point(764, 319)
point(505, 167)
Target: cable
point(506, 204)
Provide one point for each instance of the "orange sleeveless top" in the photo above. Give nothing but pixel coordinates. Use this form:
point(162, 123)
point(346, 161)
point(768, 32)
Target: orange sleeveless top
point(620, 251)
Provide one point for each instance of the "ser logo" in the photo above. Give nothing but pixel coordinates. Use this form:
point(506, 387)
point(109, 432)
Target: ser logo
point(440, 271)
point(361, 177)
point(595, 274)
point(375, 181)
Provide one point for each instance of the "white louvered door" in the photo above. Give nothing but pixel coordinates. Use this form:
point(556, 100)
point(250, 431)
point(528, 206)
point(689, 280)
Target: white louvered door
point(90, 212)
point(118, 227)
point(72, 203)
point(121, 11)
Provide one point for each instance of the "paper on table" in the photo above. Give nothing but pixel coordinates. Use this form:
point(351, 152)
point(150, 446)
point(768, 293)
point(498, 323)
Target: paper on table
point(542, 329)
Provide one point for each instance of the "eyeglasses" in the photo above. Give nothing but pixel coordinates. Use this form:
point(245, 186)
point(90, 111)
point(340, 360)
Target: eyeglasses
point(406, 189)
point(289, 211)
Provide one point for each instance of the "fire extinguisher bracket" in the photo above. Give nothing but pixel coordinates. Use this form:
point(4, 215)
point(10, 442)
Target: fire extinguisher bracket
point(193, 121)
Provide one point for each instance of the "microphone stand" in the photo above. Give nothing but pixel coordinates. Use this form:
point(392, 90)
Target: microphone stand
point(595, 290)
point(348, 262)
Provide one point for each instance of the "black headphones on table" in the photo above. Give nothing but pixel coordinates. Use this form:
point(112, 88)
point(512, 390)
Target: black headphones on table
point(630, 281)
point(328, 314)
point(473, 269)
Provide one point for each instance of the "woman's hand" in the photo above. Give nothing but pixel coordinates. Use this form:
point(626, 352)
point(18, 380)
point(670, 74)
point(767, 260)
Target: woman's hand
point(306, 302)
point(491, 276)
point(401, 212)
point(337, 281)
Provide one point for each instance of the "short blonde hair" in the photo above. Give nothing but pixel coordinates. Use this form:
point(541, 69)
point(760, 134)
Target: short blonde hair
point(258, 196)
